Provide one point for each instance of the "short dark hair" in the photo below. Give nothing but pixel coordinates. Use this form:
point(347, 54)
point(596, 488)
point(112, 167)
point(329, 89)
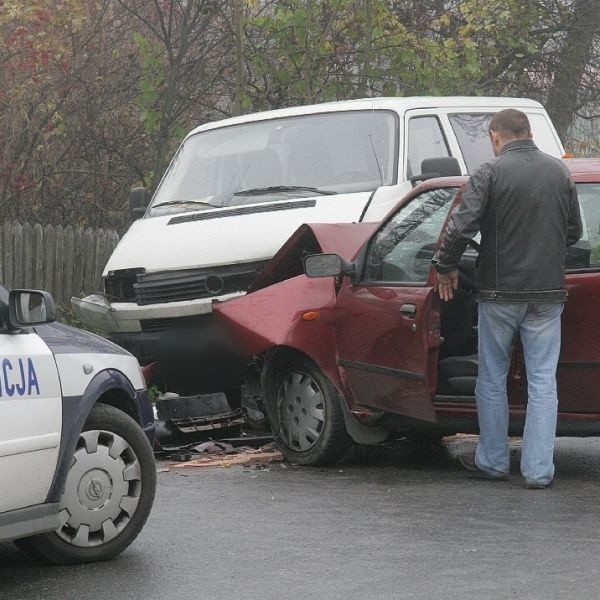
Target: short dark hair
point(511, 122)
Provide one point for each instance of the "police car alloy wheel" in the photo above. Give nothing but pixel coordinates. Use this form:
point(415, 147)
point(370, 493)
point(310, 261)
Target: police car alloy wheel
point(108, 493)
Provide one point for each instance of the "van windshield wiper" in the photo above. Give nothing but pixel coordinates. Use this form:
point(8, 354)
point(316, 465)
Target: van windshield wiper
point(192, 201)
point(282, 188)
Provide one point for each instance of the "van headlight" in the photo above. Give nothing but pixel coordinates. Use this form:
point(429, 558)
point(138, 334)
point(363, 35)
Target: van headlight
point(118, 285)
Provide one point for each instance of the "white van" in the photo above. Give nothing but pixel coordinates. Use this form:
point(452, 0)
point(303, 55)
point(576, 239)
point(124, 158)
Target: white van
point(236, 189)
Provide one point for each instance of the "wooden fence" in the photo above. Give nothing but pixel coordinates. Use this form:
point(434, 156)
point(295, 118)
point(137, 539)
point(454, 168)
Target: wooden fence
point(65, 261)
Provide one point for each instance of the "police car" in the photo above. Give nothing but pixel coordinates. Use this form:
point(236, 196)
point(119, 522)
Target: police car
point(77, 471)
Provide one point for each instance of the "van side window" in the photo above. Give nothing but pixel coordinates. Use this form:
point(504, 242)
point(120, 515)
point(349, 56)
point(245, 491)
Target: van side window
point(585, 254)
point(473, 134)
point(425, 140)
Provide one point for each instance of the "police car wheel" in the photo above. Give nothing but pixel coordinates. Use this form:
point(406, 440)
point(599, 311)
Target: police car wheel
point(108, 494)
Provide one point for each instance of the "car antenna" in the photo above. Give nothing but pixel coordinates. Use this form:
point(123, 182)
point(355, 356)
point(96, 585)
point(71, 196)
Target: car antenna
point(376, 160)
point(373, 148)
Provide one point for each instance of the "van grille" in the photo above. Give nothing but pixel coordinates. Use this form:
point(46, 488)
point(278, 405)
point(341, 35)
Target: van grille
point(174, 323)
point(192, 284)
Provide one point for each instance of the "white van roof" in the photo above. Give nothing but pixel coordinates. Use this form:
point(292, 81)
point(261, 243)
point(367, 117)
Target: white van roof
point(398, 104)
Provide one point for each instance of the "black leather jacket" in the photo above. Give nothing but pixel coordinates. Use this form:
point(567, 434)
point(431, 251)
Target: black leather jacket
point(525, 204)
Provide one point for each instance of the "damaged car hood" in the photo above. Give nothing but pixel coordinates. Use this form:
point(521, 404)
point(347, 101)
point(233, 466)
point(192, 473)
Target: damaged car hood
point(344, 239)
point(272, 312)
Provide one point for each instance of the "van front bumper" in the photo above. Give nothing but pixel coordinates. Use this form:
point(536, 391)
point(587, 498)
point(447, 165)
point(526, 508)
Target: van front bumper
point(168, 338)
point(184, 338)
point(107, 317)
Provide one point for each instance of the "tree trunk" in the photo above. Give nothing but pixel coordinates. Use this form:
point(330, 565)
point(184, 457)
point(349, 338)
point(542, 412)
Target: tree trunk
point(363, 85)
point(307, 70)
point(571, 62)
point(238, 27)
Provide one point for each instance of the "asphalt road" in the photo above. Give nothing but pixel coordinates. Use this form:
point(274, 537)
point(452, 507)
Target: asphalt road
point(400, 524)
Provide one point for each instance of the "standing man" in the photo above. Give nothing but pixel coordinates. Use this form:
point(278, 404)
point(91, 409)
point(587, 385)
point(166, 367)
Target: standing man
point(525, 205)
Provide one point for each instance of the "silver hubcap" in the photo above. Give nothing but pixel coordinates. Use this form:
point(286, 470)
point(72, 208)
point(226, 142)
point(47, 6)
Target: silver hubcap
point(102, 490)
point(301, 411)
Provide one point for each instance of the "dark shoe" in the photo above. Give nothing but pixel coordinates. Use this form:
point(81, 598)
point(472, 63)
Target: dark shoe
point(468, 462)
point(536, 485)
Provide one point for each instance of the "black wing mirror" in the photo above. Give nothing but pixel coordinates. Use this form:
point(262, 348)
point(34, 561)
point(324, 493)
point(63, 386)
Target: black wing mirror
point(30, 307)
point(139, 198)
point(446, 166)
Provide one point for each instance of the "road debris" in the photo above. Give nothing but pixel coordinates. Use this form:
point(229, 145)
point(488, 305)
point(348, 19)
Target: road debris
point(213, 456)
point(182, 420)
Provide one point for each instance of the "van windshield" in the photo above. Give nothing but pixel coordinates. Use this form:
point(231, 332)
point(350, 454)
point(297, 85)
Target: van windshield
point(275, 159)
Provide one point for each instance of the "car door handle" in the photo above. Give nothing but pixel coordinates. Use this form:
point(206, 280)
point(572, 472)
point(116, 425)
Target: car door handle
point(408, 310)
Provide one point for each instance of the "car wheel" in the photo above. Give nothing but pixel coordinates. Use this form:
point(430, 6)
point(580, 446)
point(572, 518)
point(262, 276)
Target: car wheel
point(108, 493)
point(306, 415)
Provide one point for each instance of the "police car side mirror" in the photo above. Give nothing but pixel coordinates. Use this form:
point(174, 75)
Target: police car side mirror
point(30, 307)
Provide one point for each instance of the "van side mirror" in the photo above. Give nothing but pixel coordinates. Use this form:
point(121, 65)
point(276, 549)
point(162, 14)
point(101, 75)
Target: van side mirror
point(327, 265)
point(139, 198)
point(30, 307)
point(446, 166)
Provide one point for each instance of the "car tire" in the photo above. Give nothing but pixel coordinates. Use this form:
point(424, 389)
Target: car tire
point(26, 545)
point(305, 413)
point(108, 493)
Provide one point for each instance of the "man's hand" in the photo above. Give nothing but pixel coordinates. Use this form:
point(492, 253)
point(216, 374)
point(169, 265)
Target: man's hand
point(446, 284)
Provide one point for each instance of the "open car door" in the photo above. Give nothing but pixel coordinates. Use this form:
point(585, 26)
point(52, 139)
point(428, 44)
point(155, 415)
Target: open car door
point(388, 325)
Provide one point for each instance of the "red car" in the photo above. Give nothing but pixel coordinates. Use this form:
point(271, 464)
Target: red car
point(359, 346)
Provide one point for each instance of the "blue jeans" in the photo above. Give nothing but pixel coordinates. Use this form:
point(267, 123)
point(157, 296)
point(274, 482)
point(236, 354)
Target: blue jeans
point(539, 327)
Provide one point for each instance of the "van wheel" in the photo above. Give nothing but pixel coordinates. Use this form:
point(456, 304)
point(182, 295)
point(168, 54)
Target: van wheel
point(306, 415)
point(108, 493)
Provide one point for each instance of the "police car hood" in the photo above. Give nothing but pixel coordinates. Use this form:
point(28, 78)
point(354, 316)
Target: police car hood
point(63, 339)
